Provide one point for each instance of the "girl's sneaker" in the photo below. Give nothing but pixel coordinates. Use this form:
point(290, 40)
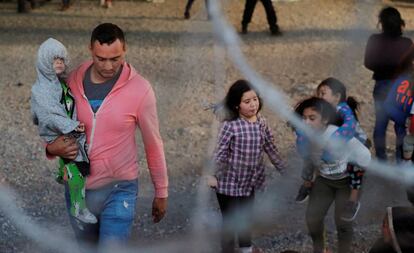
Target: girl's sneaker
point(350, 211)
point(303, 194)
point(86, 216)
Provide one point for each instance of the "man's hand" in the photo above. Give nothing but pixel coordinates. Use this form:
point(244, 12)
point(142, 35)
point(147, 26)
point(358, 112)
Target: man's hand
point(159, 208)
point(64, 146)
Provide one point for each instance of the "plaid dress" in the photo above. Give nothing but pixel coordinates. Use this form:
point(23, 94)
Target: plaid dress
point(239, 156)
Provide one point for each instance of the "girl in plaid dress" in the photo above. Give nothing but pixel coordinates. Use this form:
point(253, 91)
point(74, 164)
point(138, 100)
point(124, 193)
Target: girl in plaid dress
point(243, 139)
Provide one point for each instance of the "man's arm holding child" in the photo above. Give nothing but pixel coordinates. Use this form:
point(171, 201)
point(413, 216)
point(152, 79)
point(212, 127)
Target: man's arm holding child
point(64, 147)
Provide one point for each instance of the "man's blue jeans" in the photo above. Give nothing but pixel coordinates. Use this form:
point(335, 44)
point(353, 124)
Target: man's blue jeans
point(114, 207)
point(381, 123)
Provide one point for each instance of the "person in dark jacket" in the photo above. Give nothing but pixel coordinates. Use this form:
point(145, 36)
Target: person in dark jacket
point(387, 55)
point(398, 231)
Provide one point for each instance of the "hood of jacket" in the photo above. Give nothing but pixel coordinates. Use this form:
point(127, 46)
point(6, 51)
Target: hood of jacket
point(47, 85)
point(48, 51)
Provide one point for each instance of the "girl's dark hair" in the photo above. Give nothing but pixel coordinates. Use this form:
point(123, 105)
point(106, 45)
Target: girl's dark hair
point(107, 33)
point(391, 21)
point(324, 108)
point(338, 87)
point(234, 96)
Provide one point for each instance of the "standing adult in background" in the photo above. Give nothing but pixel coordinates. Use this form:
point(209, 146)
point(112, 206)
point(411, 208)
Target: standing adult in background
point(113, 100)
point(387, 54)
point(270, 15)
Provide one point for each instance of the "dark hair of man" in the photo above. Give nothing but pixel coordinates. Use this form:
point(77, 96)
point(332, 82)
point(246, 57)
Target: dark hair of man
point(319, 105)
point(107, 33)
point(337, 87)
point(234, 96)
point(391, 21)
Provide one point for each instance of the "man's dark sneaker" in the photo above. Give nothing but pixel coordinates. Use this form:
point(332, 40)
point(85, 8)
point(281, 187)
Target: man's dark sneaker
point(350, 211)
point(187, 15)
point(303, 194)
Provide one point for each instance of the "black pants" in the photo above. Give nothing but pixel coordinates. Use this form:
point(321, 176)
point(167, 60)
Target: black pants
point(270, 12)
point(22, 5)
point(190, 3)
point(237, 215)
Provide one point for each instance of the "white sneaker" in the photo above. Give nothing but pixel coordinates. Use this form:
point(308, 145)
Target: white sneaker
point(86, 216)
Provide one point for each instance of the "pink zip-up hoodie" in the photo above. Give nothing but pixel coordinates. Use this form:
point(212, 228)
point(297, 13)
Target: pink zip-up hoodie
point(111, 130)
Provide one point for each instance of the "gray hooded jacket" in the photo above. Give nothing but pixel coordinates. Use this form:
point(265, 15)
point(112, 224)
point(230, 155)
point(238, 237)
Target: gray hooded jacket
point(47, 111)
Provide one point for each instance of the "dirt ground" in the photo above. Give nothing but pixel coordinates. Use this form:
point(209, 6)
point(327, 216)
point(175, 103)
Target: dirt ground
point(321, 38)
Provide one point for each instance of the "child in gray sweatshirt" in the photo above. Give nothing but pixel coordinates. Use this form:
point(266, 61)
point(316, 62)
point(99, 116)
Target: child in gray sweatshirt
point(53, 111)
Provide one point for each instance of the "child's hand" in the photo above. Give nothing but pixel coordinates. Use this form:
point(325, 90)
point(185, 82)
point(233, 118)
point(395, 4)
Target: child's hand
point(307, 183)
point(211, 181)
point(80, 128)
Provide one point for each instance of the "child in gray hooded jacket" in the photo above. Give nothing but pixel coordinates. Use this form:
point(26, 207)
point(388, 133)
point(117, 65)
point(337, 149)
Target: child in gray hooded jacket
point(53, 110)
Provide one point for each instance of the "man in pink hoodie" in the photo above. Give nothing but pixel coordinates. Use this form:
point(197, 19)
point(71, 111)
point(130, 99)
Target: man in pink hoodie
point(112, 100)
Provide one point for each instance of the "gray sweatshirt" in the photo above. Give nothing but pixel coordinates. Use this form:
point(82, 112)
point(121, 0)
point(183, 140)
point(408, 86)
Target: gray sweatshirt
point(47, 111)
point(354, 152)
